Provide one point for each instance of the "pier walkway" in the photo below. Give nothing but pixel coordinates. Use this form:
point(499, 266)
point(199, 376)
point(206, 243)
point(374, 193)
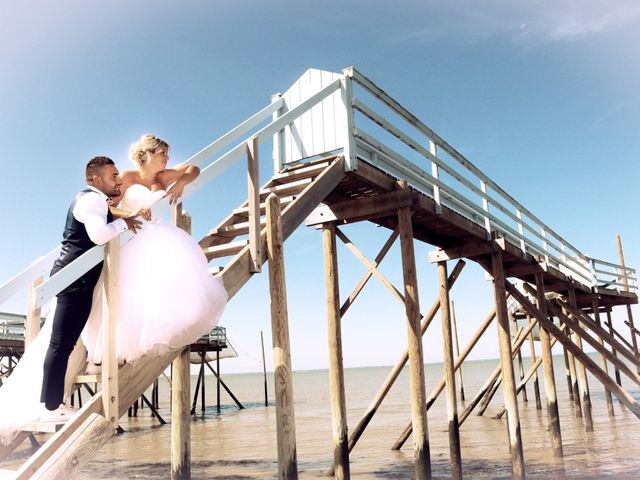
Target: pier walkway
point(344, 151)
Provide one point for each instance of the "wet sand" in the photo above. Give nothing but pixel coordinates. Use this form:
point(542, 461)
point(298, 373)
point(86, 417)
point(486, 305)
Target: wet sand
point(239, 444)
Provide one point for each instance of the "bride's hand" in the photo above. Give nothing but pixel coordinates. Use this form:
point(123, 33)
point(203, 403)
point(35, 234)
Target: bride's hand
point(175, 192)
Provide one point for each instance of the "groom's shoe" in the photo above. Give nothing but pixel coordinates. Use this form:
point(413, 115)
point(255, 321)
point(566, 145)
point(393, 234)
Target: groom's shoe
point(59, 415)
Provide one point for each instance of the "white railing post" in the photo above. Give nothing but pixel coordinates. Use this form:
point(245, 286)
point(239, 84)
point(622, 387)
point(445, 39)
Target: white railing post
point(111, 308)
point(278, 150)
point(521, 231)
point(545, 245)
point(253, 195)
point(436, 174)
point(348, 123)
point(485, 207)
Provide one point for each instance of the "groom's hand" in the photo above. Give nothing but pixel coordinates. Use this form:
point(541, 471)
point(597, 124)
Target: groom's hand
point(133, 224)
point(144, 213)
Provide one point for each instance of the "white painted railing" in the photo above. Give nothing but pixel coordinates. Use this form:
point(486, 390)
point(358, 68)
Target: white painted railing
point(444, 174)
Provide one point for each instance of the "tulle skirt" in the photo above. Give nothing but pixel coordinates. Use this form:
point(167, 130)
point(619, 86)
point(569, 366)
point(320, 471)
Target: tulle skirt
point(168, 298)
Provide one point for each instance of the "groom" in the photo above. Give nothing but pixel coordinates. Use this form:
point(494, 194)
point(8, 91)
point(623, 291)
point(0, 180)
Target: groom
point(89, 223)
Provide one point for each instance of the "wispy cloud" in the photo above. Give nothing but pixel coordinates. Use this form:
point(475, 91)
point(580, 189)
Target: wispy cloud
point(530, 23)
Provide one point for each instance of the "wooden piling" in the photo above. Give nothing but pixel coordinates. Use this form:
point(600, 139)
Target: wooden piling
point(181, 390)
point(416, 361)
point(585, 398)
point(447, 345)
point(109, 319)
point(180, 418)
point(336, 372)
point(603, 360)
point(283, 376)
point(253, 204)
point(532, 355)
point(553, 415)
point(509, 384)
point(523, 391)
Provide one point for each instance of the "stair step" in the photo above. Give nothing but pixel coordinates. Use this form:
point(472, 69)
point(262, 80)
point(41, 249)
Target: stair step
point(236, 229)
point(44, 427)
point(244, 211)
point(226, 250)
point(304, 171)
point(286, 188)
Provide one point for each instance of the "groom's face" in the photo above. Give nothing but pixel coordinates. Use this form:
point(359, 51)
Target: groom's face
point(108, 181)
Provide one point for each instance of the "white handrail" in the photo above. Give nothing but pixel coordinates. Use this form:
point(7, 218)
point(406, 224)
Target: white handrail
point(545, 242)
point(88, 260)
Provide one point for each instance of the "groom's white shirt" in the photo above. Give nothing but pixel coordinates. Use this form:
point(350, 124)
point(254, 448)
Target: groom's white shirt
point(91, 209)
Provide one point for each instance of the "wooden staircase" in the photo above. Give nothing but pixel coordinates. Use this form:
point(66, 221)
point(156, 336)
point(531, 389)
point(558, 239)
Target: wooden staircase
point(300, 189)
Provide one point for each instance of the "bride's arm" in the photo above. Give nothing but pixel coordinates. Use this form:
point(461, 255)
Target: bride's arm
point(182, 176)
point(120, 213)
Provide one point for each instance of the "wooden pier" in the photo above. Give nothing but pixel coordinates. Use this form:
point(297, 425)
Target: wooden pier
point(416, 186)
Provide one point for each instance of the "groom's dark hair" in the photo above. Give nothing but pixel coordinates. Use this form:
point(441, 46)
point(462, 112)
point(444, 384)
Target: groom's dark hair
point(95, 164)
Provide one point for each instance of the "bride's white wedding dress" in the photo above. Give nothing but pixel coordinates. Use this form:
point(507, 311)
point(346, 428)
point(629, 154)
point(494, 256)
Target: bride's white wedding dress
point(168, 299)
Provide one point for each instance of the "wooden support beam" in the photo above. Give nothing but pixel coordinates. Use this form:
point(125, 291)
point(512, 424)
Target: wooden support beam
point(349, 211)
point(572, 324)
point(181, 390)
point(457, 348)
point(470, 250)
point(508, 379)
point(613, 350)
point(553, 415)
point(532, 356)
point(440, 387)
point(336, 372)
point(603, 359)
point(622, 395)
point(585, 398)
point(447, 345)
point(283, 376)
point(110, 394)
point(397, 369)
point(365, 278)
point(559, 308)
point(416, 360)
point(370, 266)
point(253, 196)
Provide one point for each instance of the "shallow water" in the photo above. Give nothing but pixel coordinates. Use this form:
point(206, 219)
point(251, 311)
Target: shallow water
point(238, 444)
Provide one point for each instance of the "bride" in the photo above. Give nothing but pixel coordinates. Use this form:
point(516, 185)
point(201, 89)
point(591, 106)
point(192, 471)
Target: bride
point(168, 298)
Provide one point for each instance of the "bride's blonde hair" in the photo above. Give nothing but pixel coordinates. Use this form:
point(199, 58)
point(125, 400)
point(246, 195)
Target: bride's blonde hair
point(147, 143)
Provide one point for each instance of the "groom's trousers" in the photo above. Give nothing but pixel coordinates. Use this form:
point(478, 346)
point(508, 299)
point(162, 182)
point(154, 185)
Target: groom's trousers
point(72, 312)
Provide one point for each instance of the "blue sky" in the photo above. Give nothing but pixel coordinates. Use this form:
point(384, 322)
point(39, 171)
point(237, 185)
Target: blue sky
point(542, 96)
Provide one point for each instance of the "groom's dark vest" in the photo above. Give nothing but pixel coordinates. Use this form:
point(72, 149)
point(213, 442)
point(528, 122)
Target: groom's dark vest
point(75, 242)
